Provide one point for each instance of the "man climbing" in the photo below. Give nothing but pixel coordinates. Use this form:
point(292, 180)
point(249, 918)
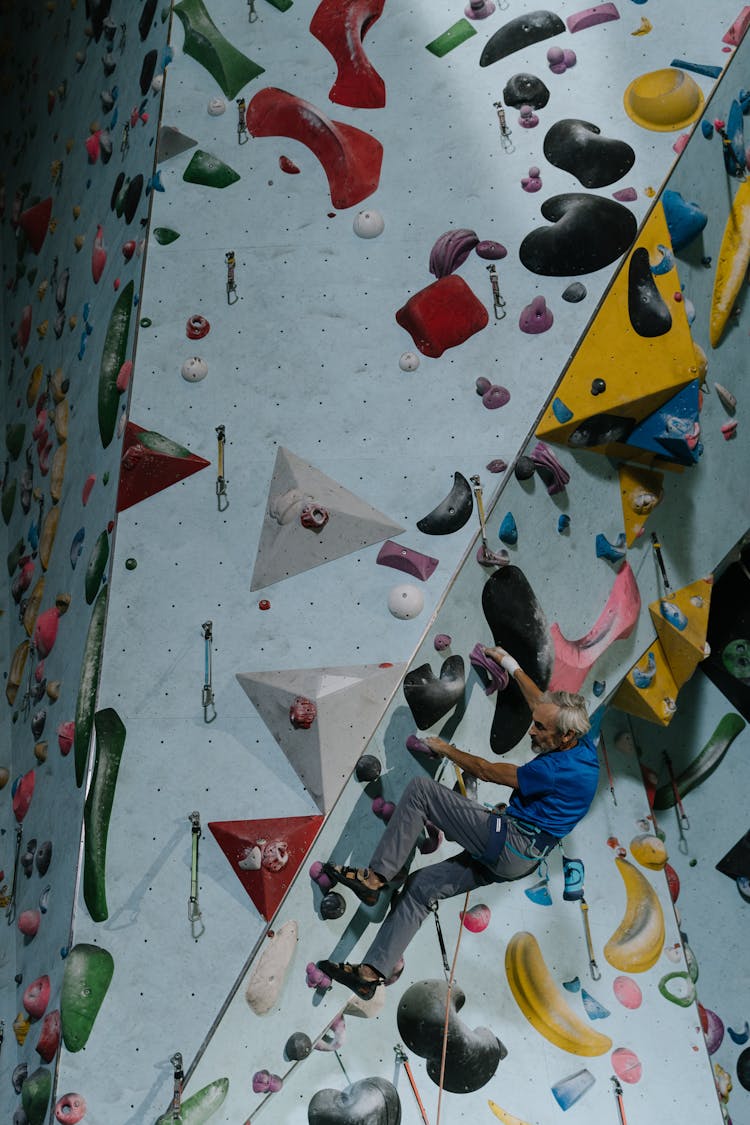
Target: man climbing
point(551, 794)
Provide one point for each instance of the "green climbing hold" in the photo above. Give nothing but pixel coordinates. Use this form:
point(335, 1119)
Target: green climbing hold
point(206, 44)
point(105, 478)
point(90, 667)
point(145, 322)
point(35, 1095)
point(97, 564)
point(113, 357)
point(86, 978)
point(281, 5)
point(165, 235)
point(8, 500)
point(197, 1109)
point(681, 992)
point(209, 171)
point(15, 432)
point(456, 34)
point(131, 563)
point(110, 742)
point(161, 444)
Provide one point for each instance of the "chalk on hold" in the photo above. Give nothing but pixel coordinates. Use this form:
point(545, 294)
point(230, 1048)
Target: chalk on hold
point(267, 978)
point(590, 17)
point(685, 220)
point(430, 697)
point(738, 28)
point(451, 513)
point(405, 601)
point(523, 31)
point(368, 224)
point(612, 552)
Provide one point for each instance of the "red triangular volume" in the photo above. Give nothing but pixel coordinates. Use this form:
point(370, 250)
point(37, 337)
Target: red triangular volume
point(34, 222)
point(279, 845)
point(151, 462)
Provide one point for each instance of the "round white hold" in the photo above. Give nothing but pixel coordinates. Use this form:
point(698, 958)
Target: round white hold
point(216, 106)
point(368, 224)
point(406, 601)
point(194, 369)
point(409, 361)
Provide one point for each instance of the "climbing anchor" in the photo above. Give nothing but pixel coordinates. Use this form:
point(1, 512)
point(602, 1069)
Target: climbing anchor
point(194, 914)
point(498, 301)
point(402, 1059)
point(207, 697)
point(221, 481)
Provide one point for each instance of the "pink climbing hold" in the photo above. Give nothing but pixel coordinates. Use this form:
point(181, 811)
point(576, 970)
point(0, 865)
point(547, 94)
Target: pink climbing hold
point(98, 255)
point(738, 28)
point(45, 631)
point(625, 195)
point(315, 977)
point(729, 430)
point(128, 249)
point(36, 997)
point(351, 158)
point(29, 922)
point(590, 17)
point(527, 119)
point(532, 182)
point(443, 315)
point(87, 486)
point(536, 317)
point(302, 713)
point(34, 222)
point(23, 791)
point(49, 1037)
point(680, 143)
point(24, 329)
point(93, 145)
point(341, 28)
point(288, 166)
point(66, 733)
point(573, 659)
point(70, 1109)
point(477, 918)
point(123, 376)
point(266, 1083)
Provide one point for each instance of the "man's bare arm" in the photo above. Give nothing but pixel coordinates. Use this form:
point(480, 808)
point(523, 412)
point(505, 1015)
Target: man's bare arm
point(529, 690)
point(501, 773)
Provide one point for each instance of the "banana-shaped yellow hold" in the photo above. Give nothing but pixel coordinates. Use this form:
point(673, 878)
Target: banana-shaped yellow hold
point(503, 1115)
point(636, 944)
point(542, 1002)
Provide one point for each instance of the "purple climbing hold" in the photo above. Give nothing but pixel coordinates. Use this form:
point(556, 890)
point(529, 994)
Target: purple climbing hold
point(532, 182)
point(497, 465)
point(416, 744)
point(527, 119)
point(493, 675)
point(536, 317)
point(549, 468)
point(441, 642)
point(495, 396)
point(490, 251)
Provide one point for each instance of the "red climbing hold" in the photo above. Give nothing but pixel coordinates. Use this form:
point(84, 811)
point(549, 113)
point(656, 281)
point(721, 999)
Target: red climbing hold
point(150, 463)
point(98, 255)
point(350, 157)
point(288, 166)
point(34, 222)
point(341, 29)
point(24, 329)
point(443, 315)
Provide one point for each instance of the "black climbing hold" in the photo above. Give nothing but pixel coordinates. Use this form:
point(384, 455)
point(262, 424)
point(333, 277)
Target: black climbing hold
point(116, 190)
point(743, 1069)
point(574, 293)
point(567, 247)
point(367, 768)
point(38, 719)
point(44, 857)
point(332, 906)
point(451, 513)
point(298, 1046)
point(598, 386)
point(132, 197)
point(521, 32)
point(525, 468)
point(472, 1055)
point(371, 1101)
point(146, 19)
point(517, 623)
point(430, 698)
point(579, 148)
point(147, 70)
point(601, 429)
point(647, 309)
point(97, 11)
point(525, 89)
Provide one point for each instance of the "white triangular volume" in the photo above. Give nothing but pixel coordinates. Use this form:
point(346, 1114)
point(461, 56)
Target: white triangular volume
point(350, 703)
point(287, 547)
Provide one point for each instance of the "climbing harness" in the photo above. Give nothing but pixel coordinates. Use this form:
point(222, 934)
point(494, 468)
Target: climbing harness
point(617, 1091)
point(10, 913)
point(498, 301)
point(232, 296)
point(609, 771)
point(402, 1059)
point(505, 133)
point(207, 698)
point(242, 134)
point(194, 913)
point(433, 907)
point(657, 551)
point(176, 1061)
point(222, 499)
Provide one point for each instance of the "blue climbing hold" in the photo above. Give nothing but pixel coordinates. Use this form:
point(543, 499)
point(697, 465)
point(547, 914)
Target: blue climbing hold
point(612, 552)
point(673, 614)
point(644, 678)
point(563, 523)
point(561, 411)
point(685, 221)
point(508, 532)
point(707, 128)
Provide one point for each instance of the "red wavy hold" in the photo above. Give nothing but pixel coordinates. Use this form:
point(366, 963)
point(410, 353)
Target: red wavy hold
point(341, 28)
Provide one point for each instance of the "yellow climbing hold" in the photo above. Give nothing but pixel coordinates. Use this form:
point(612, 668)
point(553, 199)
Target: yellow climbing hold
point(664, 100)
point(645, 27)
point(731, 267)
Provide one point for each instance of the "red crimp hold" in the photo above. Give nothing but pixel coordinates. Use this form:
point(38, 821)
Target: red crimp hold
point(443, 315)
point(302, 713)
point(314, 517)
point(341, 28)
point(34, 222)
point(351, 158)
point(590, 17)
point(738, 28)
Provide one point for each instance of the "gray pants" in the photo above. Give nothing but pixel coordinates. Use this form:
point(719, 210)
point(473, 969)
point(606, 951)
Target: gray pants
point(461, 820)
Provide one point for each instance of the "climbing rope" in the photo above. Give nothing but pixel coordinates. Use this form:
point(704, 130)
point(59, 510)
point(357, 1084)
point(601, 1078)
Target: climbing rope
point(448, 1011)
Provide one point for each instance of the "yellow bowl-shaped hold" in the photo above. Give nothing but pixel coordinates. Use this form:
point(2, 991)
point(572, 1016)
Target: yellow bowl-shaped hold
point(649, 851)
point(664, 100)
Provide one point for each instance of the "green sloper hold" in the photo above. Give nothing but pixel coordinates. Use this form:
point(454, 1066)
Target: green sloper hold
point(710, 757)
point(456, 34)
point(161, 444)
point(110, 741)
point(205, 43)
point(165, 235)
point(206, 169)
point(113, 357)
point(97, 563)
point(90, 666)
point(88, 971)
point(8, 500)
point(14, 435)
point(35, 1094)
point(198, 1108)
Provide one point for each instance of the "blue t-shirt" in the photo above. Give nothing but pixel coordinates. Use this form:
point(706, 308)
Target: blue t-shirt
point(555, 790)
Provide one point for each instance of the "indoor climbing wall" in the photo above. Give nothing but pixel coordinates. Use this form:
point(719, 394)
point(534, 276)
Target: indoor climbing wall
point(370, 259)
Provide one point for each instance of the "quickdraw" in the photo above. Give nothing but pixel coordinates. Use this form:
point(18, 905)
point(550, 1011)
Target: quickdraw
point(609, 771)
point(194, 914)
point(179, 1077)
point(683, 824)
point(10, 913)
point(657, 551)
point(232, 296)
point(617, 1091)
point(221, 481)
point(242, 134)
point(593, 967)
point(441, 941)
point(207, 697)
point(402, 1059)
point(485, 557)
point(505, 132)
point(498, 301)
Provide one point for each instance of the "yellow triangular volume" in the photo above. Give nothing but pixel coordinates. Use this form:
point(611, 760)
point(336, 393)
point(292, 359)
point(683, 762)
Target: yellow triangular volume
point(640, 491)
point(639, 371)
point(649, 690)
point(681, 623)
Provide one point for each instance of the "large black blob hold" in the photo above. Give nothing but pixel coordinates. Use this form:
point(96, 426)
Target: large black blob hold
point(371, 1101)
point(521, 32)
point(601, 429)
point(743, 1068)
point(728, 628)
point(132, 197)
point(647, 309)
point(146, 18)
point(119, 181)
point(97, 12)
point(525, 89)
point(430, 698)
point(736, 863)
point(451, 513)
point(578, 147)
point(472, 1055)
point(518, 625)
point(147, 70)
point(589, 233)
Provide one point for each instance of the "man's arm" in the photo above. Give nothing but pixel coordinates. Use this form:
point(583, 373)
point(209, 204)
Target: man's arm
point(529, 690)
point(501, 773)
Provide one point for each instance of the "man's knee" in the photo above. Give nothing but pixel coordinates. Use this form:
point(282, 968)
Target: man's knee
point(418, 787)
